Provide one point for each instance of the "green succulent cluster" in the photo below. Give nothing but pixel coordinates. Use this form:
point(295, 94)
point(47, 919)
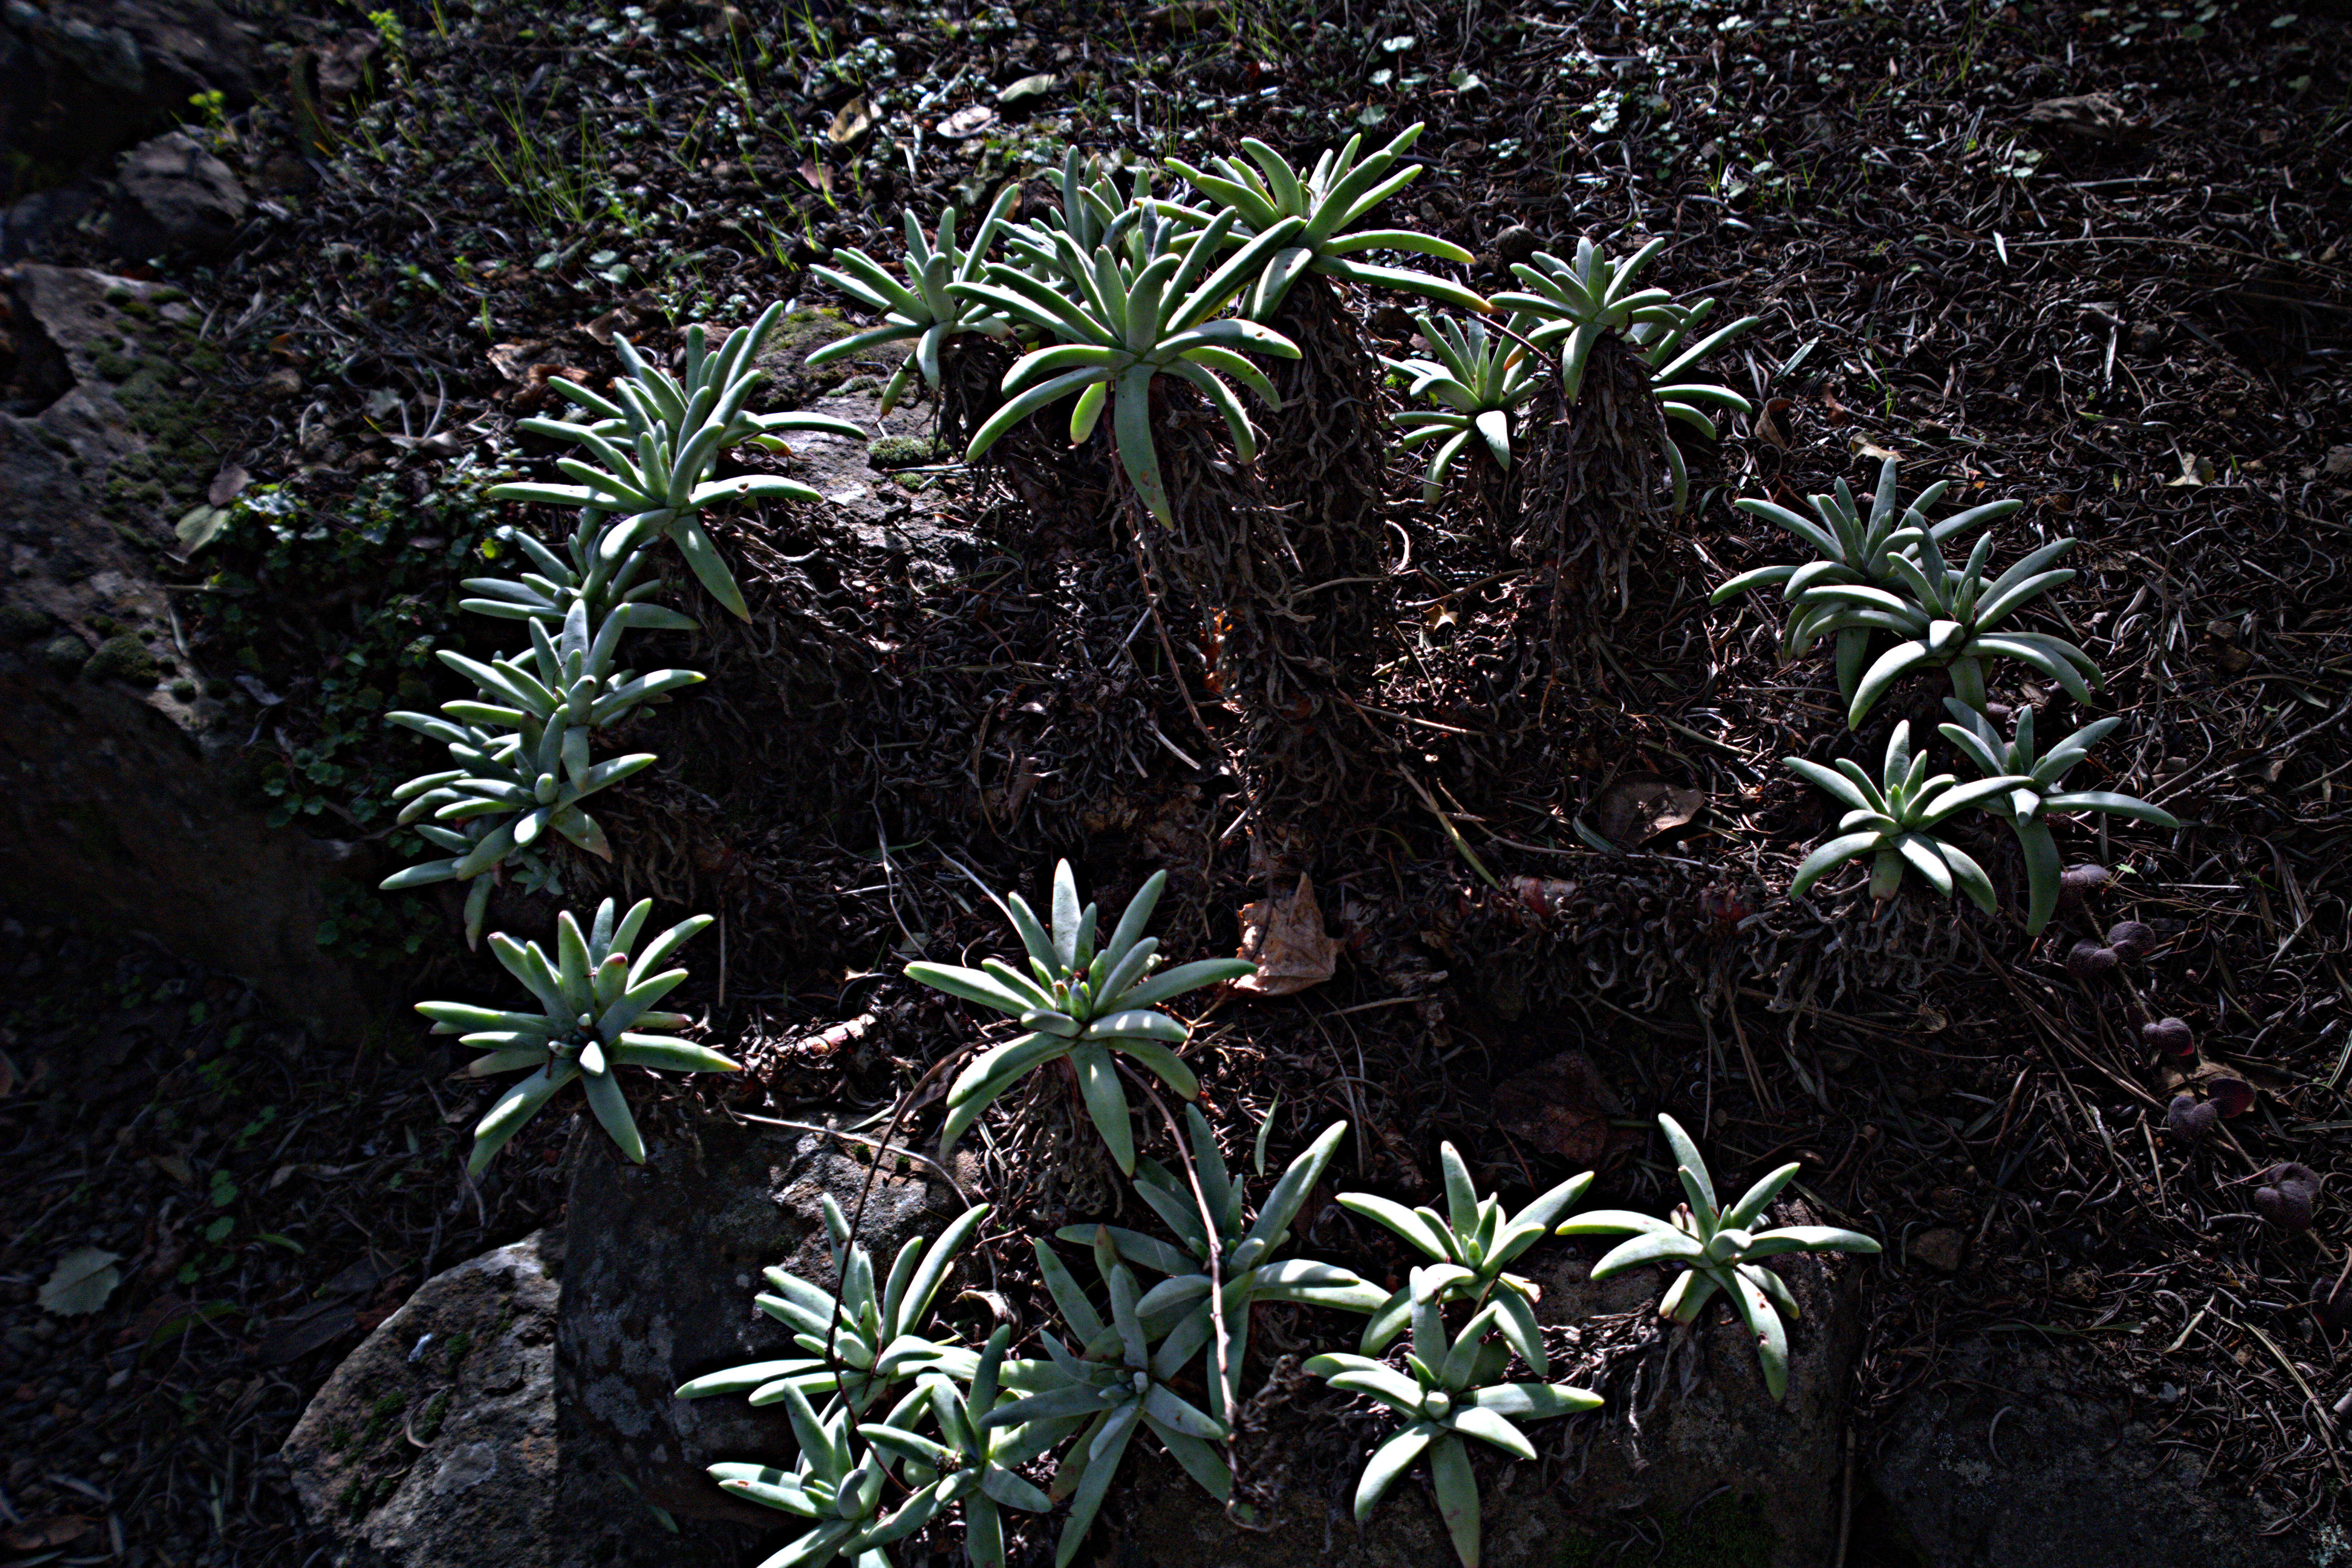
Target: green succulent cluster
point(2028, 806)
point(1114, 289)
point(1343, 186)
point(1111, 1386)
point(1177, 1312)
point(1848, 551)
point(520, 750)
point(1893, 820)
point(1116, 316)
point(1716, 1249)
point(1123, 1360)
point(1575, 306)
point(866, 1339)
point(1471, 1244)
point(1478, 381)
point(1951, 619)
point(861, 1344)
point(1452, 1389)
point(1079, 1004)
point(595, 1015)
point(1887, 573)
point(926, 306)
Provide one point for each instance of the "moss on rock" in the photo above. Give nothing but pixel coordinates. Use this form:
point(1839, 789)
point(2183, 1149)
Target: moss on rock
point(901, 451)
point(121, 659)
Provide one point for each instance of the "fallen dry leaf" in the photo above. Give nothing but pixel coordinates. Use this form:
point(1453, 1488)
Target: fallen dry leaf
point(44, 1533)
point(1561, 1107)
point(1285, 938)
point(851, 122)
point(969, 120)
point(1637, 807)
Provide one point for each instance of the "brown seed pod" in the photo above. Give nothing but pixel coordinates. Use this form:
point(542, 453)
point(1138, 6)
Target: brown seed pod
point(2189, 1118)
point(2169, 1035)
point(2131, 939)
point(2294, 1173)
point(2229, 1094)
point(2086, 960)
point(2076, 883)
point(2331, 1302)
point(2287, 1207)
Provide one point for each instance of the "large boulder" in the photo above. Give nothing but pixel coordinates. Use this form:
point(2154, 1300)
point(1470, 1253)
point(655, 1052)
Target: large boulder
point(1689, 1442)
point(665, 1260)
point(174, 199)
point(123, 802)
point(2017, 1453)
point(82, 79)
point(436, 1443)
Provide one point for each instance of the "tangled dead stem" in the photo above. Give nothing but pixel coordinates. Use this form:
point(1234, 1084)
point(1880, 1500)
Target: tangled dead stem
point(2135, 322)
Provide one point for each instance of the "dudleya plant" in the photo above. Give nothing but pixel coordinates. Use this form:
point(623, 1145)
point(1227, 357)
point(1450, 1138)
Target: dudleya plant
point(1719, 1249)
point(863, 1341)
point(968, 1464)
point(595, 1015)
point(1680, 399)
point(1343, 186)
point(924, 307)
point(1117, 1387)
point(580, 575)
point(838, 1485)
point(1950, 619)
point(1478, 381)
point(1121, 315)
point(1176, 1311)
point(1848, 548)
point(1893, 822)
point(655, 442)
point(1080, 1004)
point(2028, 806)
point(510, 787)
point(1471, 1243)
point(1577, 305)
point(1448, 1392)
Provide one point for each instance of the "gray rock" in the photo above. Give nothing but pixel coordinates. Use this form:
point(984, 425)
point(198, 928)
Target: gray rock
point(1688, 1427)
point(28, 227)
point(436, 1443)
point(665, 1260)
point(2016, 1454)
point(1517, 243)
point(879, 513)
point(82, 79)
point(122, 804)
point(174, 199)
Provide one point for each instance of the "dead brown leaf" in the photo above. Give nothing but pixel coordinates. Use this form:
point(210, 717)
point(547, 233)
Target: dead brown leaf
point(1561, 1107)
point(1184, 15)
point(851, 122)
point(969, 120)
point(40, 1534)
point(1637, 807)
point(1285, 938)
